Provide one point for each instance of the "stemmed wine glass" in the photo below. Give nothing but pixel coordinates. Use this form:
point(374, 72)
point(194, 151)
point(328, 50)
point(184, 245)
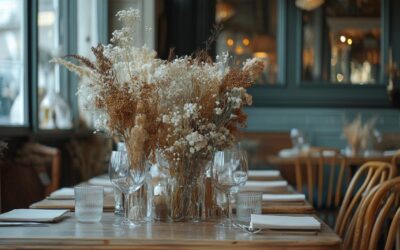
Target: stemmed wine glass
point(128, 179)
point(229, 171)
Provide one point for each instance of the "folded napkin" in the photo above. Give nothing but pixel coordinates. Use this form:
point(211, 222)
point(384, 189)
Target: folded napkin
point(288, 152)
point(284, 222)
point(34, 215)
point(264, 173)
point(264, 185)
point(283, 197)
point(99, 181)
point(69, 194)
point(389, 152)
point(63, 194)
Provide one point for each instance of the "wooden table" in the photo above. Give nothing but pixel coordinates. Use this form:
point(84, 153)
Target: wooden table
point(70, 234)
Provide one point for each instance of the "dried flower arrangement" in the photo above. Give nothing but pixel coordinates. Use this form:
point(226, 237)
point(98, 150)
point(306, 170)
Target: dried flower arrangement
point(358, 134)
point(188, 106)
point(184, 108)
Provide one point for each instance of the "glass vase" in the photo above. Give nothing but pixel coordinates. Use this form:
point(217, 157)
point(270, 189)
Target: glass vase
point(186, 199)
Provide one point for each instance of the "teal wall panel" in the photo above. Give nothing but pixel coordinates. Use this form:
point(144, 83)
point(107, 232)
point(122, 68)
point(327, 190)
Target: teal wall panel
point(322, 126)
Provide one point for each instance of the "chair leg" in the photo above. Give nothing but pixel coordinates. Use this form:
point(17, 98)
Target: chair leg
point(299, 183)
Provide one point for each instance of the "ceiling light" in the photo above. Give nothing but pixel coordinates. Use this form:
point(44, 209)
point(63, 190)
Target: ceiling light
point(224, 11)
point(246, 41)
point(349, 41)
point(239, 50)
point(309, 5)
point(260, 54)
point(229, 42)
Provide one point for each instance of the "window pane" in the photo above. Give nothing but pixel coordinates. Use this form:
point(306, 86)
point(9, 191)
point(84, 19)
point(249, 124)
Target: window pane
point(12, 86)
point(249, 30)
point(54, 111)
point(341, 42)
point(88, 36)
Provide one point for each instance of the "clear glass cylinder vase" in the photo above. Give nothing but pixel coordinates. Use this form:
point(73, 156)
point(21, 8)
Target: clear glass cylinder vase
point(186, 199)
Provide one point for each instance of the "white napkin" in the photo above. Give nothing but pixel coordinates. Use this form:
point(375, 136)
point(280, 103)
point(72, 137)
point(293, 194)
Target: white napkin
point(264, 173)
point(63, 194)
point(34, 215)
point(99, 181)
point(389, 152)
point(69, 194)
point(284, 222)
point(288, 152)
point(264, 185)
point(283, 197)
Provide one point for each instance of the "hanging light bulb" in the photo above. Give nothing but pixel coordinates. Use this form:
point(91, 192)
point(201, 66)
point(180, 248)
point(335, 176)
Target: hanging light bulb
point(309, 5)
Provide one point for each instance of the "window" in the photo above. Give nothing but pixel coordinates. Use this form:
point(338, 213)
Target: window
point(250, 29)
point(87, 37)
point(342, 42)
point(13, 106)
point(54, 110)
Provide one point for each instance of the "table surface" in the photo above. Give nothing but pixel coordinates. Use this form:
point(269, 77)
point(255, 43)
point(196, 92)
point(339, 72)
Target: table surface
point(70, 234)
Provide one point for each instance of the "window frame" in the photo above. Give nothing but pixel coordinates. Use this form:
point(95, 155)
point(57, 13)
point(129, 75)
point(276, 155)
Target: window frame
point(26, 25)
point(68, 80)
point(384, 43)
point(297, 93)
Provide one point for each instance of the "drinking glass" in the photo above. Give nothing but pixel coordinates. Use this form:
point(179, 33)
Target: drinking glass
point(128, 179)
point(88, 203)
point(247, 203)
point(229, 171)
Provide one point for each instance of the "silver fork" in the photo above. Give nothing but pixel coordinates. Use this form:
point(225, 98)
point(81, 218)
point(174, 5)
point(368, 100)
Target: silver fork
point(248, 229)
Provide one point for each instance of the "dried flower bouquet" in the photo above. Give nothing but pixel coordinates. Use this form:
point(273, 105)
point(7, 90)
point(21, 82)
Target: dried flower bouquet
point(358, 135)
point(184, 108)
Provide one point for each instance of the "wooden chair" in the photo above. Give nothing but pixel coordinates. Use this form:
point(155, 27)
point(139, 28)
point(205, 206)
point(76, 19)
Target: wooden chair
point(396, 159)
point(366, 178)
point(314, 162)
point(53, 156)
point(29, 176)
point(380, 204)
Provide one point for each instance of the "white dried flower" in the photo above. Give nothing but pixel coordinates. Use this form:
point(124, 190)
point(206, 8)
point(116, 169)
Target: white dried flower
point(165, 119)
point(218, 111)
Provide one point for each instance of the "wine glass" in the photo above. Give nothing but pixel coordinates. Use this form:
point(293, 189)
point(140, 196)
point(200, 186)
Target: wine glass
point(128, 179)
point(229, 171)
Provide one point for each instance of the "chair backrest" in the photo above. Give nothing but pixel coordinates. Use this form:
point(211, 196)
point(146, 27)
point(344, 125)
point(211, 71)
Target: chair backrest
point(379, 205)
point(367, 177)
point(396, 158)
point(314, 162)
point(41, 155)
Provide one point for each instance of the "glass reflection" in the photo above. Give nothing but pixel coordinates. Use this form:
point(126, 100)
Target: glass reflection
point(249, 30)
point(54, 110)
point(341, 42)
